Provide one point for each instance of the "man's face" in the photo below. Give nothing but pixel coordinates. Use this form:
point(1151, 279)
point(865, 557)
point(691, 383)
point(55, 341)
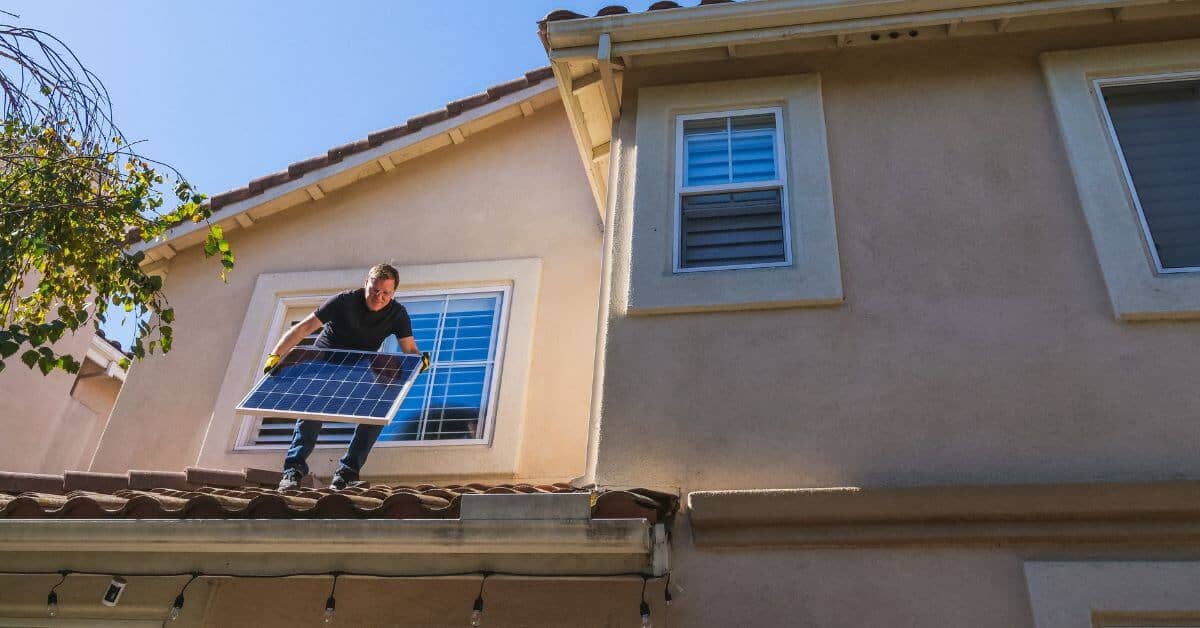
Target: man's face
point(379, 293)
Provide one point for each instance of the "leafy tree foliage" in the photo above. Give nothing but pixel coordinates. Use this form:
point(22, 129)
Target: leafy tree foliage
point(75, 199)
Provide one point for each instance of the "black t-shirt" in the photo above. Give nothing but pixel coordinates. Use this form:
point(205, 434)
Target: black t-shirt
point(350, 325)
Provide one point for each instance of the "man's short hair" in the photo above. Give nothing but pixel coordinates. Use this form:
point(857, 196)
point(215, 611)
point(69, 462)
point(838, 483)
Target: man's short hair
point(384, 271)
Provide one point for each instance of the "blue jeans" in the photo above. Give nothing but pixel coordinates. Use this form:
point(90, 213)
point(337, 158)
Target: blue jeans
point(304, 438)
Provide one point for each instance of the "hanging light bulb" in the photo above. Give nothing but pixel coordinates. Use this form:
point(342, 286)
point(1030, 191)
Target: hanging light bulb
point(477, 613)
point(330, 605)
point(52, 597)
point(177, 605)
point(645, 610)
point(477, 609)
point(176, 608)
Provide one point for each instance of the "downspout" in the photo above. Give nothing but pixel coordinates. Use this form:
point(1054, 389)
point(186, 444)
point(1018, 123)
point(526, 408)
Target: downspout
point(604, 306)
point(600, 359)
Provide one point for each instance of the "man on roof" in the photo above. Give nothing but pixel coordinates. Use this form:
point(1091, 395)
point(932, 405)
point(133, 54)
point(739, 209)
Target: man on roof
point(355, 319)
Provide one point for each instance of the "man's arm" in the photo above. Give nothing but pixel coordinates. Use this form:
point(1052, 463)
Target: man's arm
point(294, 335)
point(408, 344)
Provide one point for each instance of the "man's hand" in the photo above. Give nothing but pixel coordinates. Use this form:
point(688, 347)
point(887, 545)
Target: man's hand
point(424, 362)
point(272, 362)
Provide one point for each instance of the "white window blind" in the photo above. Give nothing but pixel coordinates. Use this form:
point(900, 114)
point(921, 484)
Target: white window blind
point(731, 200)
point(1157, 129)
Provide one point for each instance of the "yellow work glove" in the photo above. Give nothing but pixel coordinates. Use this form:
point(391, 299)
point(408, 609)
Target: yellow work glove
point(424, 362)
point(272, 362)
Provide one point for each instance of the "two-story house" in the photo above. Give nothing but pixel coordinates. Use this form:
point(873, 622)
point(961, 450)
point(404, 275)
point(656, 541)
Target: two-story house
point(897, 298)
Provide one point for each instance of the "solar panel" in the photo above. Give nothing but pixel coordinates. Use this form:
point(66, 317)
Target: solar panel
point(335, 385)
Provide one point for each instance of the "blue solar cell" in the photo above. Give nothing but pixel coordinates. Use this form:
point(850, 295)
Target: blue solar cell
point(353, 386)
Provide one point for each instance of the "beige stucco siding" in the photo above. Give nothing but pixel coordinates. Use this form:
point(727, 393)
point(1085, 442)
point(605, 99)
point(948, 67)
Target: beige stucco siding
point(976, 344)
point(51, 423)
point(507, 193)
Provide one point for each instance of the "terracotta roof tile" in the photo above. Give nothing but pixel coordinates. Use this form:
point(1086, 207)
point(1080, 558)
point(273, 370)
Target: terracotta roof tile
point(30, 482)
point(258, 185)
point(338, 153)
point(98, 482)
point(559, 15)
point(617, 9)
point(612, 9)
point(504, 89)
point(300, 168)
point(215, 477)
point(228, 198)
point(198, 493)
point(470, 102)
point(426, 119)
point(157, 479)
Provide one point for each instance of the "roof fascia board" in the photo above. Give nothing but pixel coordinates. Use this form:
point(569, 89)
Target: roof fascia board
point(330, 536)
point(837, 18)
point(351, 161)
point(106, 357)
point(596, 180)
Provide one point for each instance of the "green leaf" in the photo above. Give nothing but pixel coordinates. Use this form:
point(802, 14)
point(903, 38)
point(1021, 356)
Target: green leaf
point(7, 348)
point(30, 358)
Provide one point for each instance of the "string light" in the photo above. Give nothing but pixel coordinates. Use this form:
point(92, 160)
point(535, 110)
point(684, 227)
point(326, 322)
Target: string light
point(331, 603)
point(177, 607)
point(52, 597)
point(644, 608)
point(477, 609)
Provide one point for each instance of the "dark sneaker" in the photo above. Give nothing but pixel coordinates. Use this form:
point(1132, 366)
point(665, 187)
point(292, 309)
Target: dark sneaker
point(290, 480)
point(338, 482)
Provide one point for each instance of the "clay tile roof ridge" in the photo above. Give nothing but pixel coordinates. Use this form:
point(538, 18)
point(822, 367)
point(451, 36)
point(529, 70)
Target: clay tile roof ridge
point(336, 154)
point(561, 15)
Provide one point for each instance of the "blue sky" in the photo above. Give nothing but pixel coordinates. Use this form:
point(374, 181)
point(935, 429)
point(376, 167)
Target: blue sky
point(229, 91)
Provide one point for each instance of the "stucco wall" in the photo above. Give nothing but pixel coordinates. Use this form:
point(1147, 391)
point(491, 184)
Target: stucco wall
point(514, 191)
point(976, 343)
point(32, 411)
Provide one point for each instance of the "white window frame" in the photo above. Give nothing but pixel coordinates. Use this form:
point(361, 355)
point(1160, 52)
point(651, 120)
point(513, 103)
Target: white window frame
point(251, 424)
point(1138, 79)
point(780, 181)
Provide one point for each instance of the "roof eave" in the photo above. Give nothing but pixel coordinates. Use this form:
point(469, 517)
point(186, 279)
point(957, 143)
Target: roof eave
point(722, 25)
point(596, 546)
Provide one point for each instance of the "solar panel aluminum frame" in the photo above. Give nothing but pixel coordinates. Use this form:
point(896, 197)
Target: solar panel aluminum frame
point(340, 418)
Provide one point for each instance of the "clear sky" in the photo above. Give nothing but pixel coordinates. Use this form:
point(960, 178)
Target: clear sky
point(227, 91)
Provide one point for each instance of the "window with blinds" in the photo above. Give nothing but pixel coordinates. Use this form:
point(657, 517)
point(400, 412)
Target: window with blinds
point(1156, 127)
point(449, 401)
point(731, 194)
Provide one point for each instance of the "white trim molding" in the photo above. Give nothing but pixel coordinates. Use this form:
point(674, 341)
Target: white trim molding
point(495, 455)
point(813, 275)
point(1137, 288)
